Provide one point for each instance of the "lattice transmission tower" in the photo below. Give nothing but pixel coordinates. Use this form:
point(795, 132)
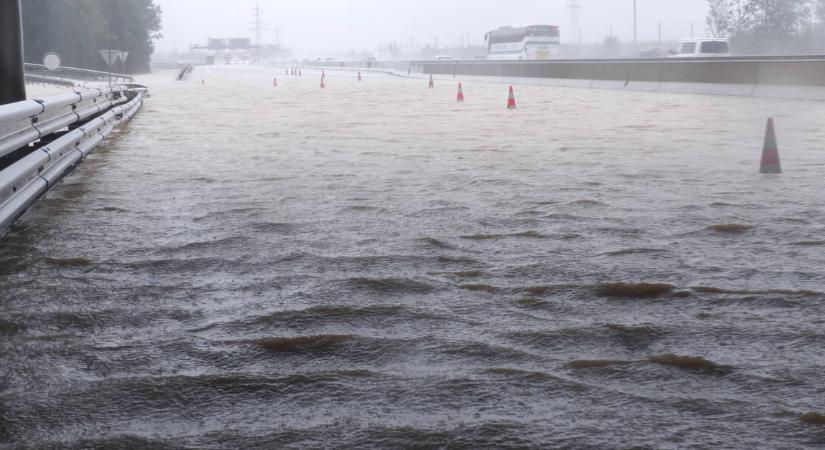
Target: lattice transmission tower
point(575, 31)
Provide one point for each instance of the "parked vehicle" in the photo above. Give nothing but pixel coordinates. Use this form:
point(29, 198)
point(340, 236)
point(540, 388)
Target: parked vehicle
point(703, 48)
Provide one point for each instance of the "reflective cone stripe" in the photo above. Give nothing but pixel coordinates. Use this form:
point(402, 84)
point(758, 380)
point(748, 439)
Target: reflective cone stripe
point(511, 100)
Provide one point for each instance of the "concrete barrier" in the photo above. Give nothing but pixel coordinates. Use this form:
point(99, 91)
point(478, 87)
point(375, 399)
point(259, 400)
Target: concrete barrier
point(788, 77)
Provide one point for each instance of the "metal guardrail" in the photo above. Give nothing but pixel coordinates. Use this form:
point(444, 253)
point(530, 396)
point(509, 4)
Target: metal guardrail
point(88, 116)
point(75, 74)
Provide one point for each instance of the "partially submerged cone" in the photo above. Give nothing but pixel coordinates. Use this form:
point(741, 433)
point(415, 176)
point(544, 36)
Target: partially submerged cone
point(511, 100)
point(432, 83)
point(460, 96)
point(770, 152)
point(323, 85)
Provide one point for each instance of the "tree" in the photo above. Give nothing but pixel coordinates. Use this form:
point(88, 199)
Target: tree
point(777, 19)
point(820, 12)
point(78, 29)
point(720, 19)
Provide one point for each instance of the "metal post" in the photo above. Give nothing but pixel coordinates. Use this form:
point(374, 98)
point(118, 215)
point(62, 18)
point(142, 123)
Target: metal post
point(635, 35)
point(12, 76)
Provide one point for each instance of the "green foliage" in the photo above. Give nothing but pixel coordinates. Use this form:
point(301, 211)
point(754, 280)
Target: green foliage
point(720, 18)
point(78, 29)
point(767, 26)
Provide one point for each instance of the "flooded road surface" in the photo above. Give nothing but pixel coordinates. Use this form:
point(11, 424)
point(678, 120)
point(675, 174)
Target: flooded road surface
point(376, 266)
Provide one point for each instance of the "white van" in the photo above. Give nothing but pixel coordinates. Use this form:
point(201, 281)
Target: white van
point(703, 48)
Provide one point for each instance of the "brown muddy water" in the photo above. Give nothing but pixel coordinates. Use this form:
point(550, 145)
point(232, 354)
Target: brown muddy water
point(376, 266)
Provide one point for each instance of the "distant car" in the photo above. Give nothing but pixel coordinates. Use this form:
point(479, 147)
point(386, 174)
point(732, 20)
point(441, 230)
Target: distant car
point(444, 58)
point(703, 48)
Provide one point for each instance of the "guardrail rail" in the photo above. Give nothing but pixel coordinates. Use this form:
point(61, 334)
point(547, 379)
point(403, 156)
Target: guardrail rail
point(41, 140)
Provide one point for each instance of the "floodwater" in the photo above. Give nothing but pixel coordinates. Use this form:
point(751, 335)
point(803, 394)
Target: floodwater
point(376, 266)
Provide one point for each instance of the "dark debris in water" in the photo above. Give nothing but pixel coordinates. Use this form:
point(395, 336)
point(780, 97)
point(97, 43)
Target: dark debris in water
point(731, 228)
point(813, 418)
point(692, 363)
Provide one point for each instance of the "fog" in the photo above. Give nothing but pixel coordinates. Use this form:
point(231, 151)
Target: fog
point(329, 27)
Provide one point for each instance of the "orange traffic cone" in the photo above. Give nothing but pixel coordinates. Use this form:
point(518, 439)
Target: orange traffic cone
point(359, 75)
point(460, 96)
point(323, 85)
point(770, 152)
point(432, 84)
point(511, 100)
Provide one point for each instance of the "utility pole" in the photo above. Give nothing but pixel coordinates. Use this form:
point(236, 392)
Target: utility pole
point(12, 75)
point(660, 34)
point(574, 6)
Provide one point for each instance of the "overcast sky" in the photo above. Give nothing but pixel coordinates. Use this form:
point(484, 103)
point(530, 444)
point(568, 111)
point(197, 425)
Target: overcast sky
point(326, 27)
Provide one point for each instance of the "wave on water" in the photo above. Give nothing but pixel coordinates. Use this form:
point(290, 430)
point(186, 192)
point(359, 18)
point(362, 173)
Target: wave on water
point(634, 290)
point(314, 317)
point(390, 285)
point(434, 243)
point(634, 251)
point(593, 363)
point(480, 288)
point(531, 234)
point(522, 374)
point(274, 227)
point(788, 292)
point(587, 203)
point(808, 243)
point(225, 243)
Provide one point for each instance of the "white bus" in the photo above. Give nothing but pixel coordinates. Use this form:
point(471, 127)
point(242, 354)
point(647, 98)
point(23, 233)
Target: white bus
point(531, 42)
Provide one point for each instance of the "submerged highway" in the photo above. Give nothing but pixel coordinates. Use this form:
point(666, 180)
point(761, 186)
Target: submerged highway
point(374, 265)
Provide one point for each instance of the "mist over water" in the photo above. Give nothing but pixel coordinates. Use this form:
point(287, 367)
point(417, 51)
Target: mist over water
point(376, 266)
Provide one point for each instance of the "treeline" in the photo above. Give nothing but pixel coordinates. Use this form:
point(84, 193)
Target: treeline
point(78, 29)
point(769, 26)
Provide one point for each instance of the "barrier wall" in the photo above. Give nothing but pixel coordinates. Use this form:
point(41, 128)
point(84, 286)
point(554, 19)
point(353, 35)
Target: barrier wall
point(791, 77)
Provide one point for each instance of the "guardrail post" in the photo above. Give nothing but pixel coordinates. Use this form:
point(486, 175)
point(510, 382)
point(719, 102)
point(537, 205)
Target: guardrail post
point(12, 77)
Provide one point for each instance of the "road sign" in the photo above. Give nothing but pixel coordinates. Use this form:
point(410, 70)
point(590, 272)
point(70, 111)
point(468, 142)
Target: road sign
point(51, 61)
point(111, 56)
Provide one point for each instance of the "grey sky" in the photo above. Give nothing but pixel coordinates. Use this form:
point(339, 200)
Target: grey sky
point(319, 27)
